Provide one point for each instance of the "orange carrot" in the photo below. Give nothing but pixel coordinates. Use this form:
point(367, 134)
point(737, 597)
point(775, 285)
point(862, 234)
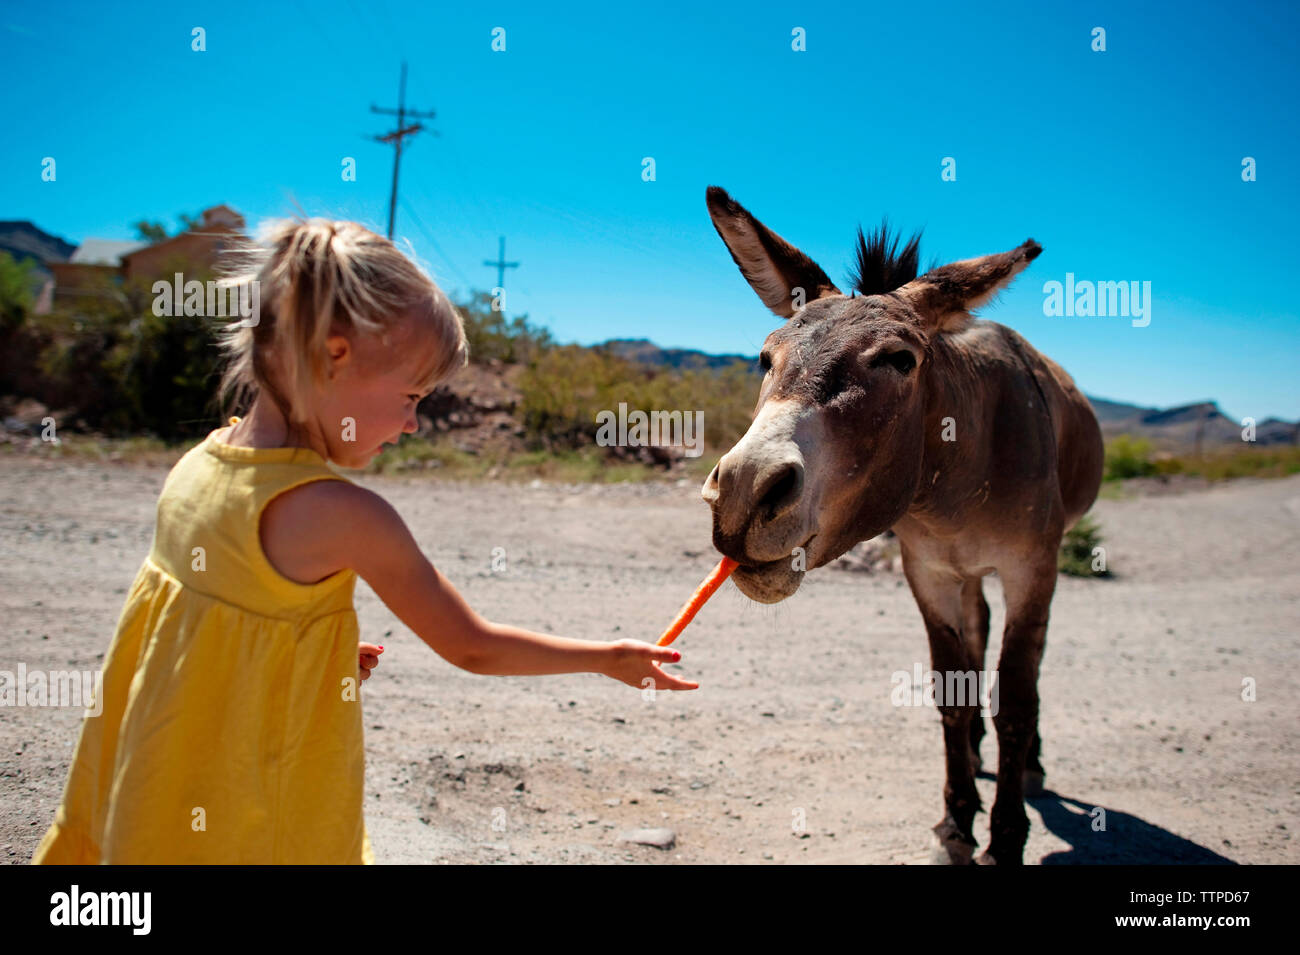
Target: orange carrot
point(698, 599)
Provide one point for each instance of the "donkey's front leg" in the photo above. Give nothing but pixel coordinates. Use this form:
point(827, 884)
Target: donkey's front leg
point(1029, 597)
point(939, 599)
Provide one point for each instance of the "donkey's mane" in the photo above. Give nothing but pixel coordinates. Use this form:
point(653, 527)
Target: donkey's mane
point(881, 267)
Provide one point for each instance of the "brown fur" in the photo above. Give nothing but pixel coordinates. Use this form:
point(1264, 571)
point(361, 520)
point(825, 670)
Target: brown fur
point(848, 441)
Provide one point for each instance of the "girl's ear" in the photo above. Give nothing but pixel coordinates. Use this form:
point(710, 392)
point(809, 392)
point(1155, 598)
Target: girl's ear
point(339, 350)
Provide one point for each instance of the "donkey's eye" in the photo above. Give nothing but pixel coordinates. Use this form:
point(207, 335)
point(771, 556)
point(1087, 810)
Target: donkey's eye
point(765, 362)
point(902, 361)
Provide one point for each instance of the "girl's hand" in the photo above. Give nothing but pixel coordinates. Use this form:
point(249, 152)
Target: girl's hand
point(633, 662)
point(369, 658)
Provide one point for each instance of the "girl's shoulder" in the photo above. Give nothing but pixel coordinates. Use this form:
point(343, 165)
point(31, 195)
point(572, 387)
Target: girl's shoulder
point(254, 512)
point(309, 532)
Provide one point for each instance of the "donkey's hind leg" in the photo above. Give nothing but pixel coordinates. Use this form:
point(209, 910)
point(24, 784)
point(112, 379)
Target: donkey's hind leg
point(939, 598)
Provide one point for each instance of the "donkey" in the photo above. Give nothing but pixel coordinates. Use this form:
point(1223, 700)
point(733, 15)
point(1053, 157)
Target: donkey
point(892, 407)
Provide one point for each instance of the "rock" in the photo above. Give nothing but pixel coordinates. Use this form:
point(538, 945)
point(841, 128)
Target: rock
point(659, 838)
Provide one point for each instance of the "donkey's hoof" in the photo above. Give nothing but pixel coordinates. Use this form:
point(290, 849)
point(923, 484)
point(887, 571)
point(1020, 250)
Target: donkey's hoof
point(952, 852)
point(1033, 783)
point(951, 848)
point(986, 858)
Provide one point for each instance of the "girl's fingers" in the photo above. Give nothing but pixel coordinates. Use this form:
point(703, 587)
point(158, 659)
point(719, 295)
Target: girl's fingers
point(372, 649)
point(665, 654)
point(666, 681)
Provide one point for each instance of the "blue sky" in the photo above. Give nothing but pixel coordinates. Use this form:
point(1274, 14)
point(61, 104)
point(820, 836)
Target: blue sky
point(1124, 164)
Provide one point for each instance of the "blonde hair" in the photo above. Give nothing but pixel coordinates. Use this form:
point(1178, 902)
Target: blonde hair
point(318, 278)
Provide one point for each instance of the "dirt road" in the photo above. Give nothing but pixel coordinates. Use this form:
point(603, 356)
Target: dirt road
point(1142, 709)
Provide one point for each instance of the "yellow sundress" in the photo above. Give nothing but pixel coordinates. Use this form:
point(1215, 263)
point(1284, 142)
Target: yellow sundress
point(231, 729)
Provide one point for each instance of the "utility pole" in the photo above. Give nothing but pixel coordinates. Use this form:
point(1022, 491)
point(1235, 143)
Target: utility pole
point(397, 136)
point(501, 264)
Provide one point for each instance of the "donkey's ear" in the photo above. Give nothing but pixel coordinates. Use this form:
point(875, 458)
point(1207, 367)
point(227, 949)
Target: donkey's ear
point(772, 266)
point(944, 297)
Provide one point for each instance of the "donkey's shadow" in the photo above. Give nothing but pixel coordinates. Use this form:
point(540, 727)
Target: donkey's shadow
point(1125, 840)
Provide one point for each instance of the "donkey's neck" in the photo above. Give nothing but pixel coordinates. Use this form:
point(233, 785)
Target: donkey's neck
point(959, 384)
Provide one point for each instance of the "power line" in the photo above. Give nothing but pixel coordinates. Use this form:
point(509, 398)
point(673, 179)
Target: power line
point(428, 234)
point(396, 34)
point(487, 218)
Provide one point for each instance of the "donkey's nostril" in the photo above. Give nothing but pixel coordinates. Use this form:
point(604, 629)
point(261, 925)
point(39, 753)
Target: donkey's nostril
point(710, 489)
point(782, 492)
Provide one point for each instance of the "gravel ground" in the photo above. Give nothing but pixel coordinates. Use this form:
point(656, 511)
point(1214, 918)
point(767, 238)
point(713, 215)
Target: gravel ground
point(1141, 688)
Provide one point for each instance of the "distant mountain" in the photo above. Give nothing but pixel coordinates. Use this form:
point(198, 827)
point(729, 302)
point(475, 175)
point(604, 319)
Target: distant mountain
point(646, 352)
point(1171, 429)
point(1110, 411)
point(23, 240)
point(1186, 425)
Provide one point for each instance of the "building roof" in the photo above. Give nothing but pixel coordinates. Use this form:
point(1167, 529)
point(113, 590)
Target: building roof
point(223, 214)
point(115, 252)
point(104, 251)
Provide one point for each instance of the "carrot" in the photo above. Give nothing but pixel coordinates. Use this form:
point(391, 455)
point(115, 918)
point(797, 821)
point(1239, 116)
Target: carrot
point(698, 599)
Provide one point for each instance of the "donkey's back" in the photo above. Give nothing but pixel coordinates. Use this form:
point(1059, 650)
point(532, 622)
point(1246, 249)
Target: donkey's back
point(1027, 382)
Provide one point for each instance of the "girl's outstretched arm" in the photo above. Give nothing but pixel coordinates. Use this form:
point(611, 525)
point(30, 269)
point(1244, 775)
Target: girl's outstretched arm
point(333, 525)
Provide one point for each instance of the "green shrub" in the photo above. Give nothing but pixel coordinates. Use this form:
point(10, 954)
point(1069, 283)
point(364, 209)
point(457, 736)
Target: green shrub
point(1246, 461)
point(491, 336)
point(1128, 457)
point(566, 386)
point(1076, 554)
point(123, 369)
point(165, 370)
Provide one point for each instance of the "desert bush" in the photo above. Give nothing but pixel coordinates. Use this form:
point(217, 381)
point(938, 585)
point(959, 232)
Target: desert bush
point(122, 369)
point(490, 335)
point(1075, 556)
point(1247, 461)
point(1128, 457)
point(21, 343)
point(566, 387)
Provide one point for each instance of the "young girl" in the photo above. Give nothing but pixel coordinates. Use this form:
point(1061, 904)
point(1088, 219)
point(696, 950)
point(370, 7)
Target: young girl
point(231, 729)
